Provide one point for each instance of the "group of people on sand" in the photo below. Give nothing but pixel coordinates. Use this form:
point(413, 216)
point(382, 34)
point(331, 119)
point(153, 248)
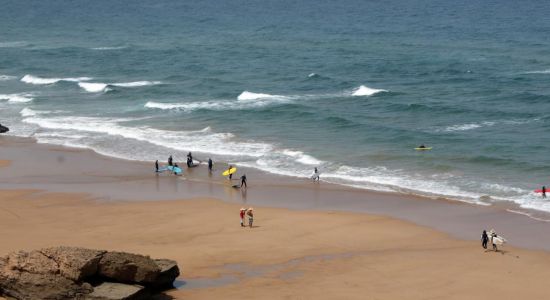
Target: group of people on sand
point(191, 164)
point(247, 212)
point(491, 236)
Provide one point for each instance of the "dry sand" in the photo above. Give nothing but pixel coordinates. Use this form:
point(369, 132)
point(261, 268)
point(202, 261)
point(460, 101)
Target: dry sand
point(288, 255)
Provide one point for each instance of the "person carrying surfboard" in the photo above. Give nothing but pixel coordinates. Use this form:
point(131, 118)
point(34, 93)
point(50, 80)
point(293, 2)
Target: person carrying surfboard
point(543, 191)
point(229, 170)
point(315, 175)
point(170, 160)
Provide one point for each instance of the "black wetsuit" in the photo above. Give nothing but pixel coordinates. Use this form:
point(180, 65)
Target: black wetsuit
point(544, 192)
point(209, 164)
point(170, 160)
point(484, 239)
point(243, 181)
point(157, 165)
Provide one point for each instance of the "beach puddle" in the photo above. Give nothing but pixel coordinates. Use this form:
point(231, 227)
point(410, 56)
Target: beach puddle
point(235, 273)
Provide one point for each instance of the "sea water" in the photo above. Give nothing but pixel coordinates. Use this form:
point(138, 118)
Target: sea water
point(349, 87)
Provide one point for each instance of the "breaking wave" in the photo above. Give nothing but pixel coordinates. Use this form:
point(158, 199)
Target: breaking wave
point(20, 98)
point(366, 91)
point(44, 81)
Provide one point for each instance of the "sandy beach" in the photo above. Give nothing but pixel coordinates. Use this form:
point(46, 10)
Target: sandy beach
point(297, 252)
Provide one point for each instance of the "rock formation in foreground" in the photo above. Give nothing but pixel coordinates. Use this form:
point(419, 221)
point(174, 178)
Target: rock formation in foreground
point(77, 273)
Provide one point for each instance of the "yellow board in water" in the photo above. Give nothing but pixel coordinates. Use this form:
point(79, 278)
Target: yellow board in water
point(230, 171)
point(425, 148)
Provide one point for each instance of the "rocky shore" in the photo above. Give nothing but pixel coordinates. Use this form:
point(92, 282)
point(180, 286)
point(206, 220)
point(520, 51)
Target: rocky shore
point(78, 273)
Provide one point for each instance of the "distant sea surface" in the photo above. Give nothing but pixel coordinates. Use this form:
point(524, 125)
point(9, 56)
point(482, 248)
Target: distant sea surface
point(350, 87)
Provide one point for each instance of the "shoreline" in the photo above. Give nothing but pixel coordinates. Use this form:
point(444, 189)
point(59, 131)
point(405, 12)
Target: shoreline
point(306, 243)
point(74, 170)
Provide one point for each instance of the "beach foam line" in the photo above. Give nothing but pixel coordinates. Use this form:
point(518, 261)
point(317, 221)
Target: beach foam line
point(31, 79)
point(19, 98)
point(366, 91)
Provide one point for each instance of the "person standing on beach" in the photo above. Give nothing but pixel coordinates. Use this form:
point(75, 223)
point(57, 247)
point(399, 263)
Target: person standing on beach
point(157, 165)
point(210, 164)
point(242, 213)
point(229, 171)
point(243, 181)
point(543, 191)
point(315, 175)
point(170, 160)
point(250, 213)
point(484, 239)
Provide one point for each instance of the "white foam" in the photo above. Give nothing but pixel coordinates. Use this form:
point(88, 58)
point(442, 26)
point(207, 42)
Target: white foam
point(93, 87)
point(109, 48)
point(17, 44)
point(366, 91)
point(44, 81)
point(247, 96)
point(6, 77)
point(302, 158)
point(136, 83)
point(21, 98)
point(462, 127)
point(216, 105)
point(27, 112)
point(312, 75)
point(538, 72)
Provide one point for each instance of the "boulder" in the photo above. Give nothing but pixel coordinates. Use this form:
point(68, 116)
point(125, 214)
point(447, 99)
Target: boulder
point(127, 267)
point(75, 263)
point(118, 291)
point(71, 273)
point(169, 271)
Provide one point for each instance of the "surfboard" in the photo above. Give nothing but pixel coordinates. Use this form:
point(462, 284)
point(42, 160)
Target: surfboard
point(426, 148)
point(315, 175)
point(540, 191)
point(230, 171)
point(176, 170)
point(161, 169)
point(498, 240)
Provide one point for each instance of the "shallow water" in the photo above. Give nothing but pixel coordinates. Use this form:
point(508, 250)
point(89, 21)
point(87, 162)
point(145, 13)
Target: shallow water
point(349, 87)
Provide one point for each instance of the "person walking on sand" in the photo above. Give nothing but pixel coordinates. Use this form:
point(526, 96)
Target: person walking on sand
point(484, 239)
point(170, 160)
point(242, 213)
point(493, 235)
point(543, 191)
point(250, 213)
point(157, 165)
point(243, 181)
point(210, 164)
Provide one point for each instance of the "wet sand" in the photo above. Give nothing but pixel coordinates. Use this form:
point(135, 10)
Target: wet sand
point(306, 244)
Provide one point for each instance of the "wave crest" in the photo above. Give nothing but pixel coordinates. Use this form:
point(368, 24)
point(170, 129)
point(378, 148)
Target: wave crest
point(44, 81)
point(93, 87)
point(21, 98)
point(366, 91)
point(247, 96)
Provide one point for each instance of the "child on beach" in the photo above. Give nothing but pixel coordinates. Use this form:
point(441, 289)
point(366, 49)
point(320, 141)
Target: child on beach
point(250, 214)
point(243, 211)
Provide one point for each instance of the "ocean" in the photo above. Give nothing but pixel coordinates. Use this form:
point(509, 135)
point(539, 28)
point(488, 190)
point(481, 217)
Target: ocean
point(350, 87)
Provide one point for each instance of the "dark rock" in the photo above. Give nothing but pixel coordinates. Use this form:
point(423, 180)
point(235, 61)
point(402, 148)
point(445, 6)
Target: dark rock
point(118, 291)
point(169, 271)
point(127, 267)
point(3, 129)
point(66, 273)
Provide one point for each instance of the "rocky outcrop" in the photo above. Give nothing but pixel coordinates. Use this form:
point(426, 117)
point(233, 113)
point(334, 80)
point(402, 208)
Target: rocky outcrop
point(76, 273)
point(3, 129)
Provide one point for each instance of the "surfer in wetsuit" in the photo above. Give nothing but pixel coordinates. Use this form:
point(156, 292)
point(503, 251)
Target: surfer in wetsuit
point(157, 165)
point(229, 171)
point(422, 146)
point(243, 181)
point(170, 160)
point(210, 164)
point(484, 239)
point(315, 174)
point(543, 191)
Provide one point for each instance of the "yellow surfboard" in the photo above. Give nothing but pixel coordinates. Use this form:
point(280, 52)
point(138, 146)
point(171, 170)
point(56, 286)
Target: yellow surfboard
point(229, 172)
